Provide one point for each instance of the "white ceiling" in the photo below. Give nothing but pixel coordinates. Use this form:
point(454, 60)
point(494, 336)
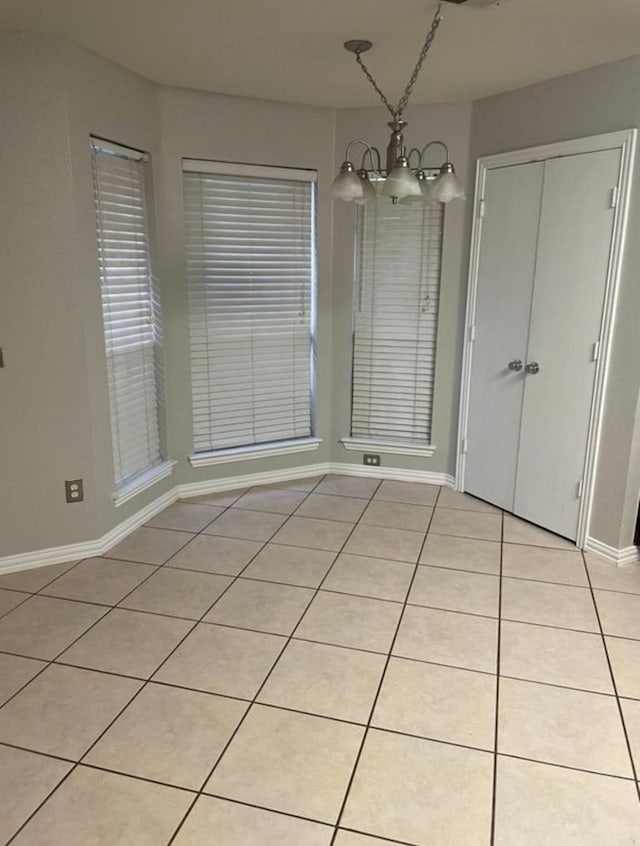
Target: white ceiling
point(291, 50)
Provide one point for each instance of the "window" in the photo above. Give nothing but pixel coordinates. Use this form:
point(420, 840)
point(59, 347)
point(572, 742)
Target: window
point(130, 309)
point(250, 244)
point(396, 291)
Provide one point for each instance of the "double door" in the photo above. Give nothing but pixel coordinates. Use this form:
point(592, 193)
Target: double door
point(542, 270)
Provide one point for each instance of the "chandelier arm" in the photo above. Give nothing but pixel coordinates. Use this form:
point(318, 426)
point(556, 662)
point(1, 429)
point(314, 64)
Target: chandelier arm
point(378, 90)
point(437, 18)
point(371, 151)
point(433, 144)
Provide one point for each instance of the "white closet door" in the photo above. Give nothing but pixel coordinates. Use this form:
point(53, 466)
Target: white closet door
point(505, 279)
point(574, 246)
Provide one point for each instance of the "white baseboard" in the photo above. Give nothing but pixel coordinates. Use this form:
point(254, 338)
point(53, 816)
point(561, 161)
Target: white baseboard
point(87, 549)
point(627, 555)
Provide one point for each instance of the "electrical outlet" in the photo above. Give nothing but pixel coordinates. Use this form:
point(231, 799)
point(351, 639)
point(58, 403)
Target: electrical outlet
point(371, 460)
point(74, 490)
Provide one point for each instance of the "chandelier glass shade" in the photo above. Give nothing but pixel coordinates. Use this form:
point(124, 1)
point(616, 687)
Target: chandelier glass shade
point(405, 178)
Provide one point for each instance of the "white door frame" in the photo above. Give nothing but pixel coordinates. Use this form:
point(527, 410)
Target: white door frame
point(624, 140)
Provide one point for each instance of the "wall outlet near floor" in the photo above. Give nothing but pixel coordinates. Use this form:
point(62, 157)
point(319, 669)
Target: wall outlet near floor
point(74, 490)
point(370, 460)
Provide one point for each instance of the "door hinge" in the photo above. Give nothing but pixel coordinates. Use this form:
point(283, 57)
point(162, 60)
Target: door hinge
point(595, 355)
point(614, 197)
point(580, 488)
point(465, 446)
point(472, 332)
point(482, 207)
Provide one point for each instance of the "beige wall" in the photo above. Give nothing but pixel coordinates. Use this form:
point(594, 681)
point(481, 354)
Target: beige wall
point(602, 99)
point(451, 124)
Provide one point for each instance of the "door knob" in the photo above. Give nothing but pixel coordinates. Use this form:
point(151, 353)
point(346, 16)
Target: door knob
point(532, 367)
point(516, 365)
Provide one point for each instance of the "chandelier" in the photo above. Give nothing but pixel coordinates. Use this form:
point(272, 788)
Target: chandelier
point(405, 177)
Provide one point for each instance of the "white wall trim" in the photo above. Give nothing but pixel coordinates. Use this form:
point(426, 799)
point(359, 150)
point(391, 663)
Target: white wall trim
point(626, 141)
point(142, 482)
point(389, 447)
point(616, 556)
point(227, 456)
point(88, 549)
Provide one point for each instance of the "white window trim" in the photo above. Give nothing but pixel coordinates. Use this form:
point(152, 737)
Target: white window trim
point(141, 482)
point(239, 169)
point(391, 447)
point(226, 456)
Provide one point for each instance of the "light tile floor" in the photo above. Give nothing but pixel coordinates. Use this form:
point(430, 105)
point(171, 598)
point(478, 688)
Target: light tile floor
point(273, 667)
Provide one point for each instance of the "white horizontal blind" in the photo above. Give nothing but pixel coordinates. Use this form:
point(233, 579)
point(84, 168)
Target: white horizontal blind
point(250, 244)
point(396, 292)
point(130, 309)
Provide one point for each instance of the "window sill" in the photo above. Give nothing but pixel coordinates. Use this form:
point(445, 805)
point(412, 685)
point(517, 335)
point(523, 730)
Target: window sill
point(142, 482)
point(226, 456)
point(391, 447)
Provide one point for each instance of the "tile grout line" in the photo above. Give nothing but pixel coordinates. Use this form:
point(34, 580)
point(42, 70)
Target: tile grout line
point(496, 726)
point(266, 678)
point(634, 771)
point(382, 678)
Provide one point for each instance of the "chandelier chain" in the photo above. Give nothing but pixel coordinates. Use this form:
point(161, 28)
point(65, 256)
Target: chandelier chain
point(437, 18)
point(397, 111)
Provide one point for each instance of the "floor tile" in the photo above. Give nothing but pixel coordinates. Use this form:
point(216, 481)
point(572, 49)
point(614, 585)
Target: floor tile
point(464, 502)
point(307, 484)
point(315, 534)
point(446, 637)
point(350, 621)
point(561, 726)
point(397, 515)
point(290, 565)
point(187, 517)
point(182, 593)
point(95, 807)
point(455, 590)
point(625, 663)
point(347, 486)
point(34, 579)
point(262, 606)
point(10, 599)
point(619, 613)
point(436, 804)
point(554, 656)
point(478, 556)
point(222, 498)
point(25, 780)
point(149, 546)
point(325, 680)
point(519, 531)
point(466, 524)
point(42, 627)
point(63, 710)
point(217, 659)
point(607, 576)
point(412, 493)
point(247, 525)
point(547, 604)
point(277, 501)
point(170, 735)
point(374, 577)
point(327, 507)
point(631, 712)
point(395, 544)
point(233, 824)
point(16, 672)
point(100, 580)
point(288, 762)
point(350, 838)
point(539, 805)
point(130, 643)
point(458, 706)
point(210, 554)
point(562, 566)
